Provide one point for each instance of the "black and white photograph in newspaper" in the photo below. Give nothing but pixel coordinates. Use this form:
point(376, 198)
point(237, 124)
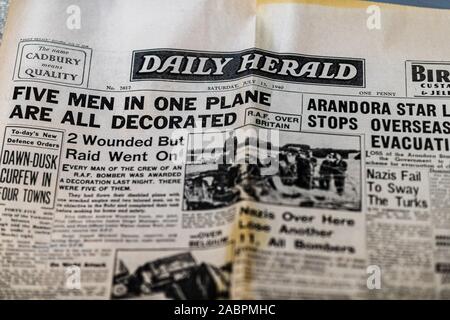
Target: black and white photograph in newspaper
point(301, 169)
point(172, 274)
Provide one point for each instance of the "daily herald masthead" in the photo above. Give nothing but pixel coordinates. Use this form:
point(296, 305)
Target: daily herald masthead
point(193, 66)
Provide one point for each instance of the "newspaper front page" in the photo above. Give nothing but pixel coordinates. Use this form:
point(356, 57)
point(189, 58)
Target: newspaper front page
point(224, 149)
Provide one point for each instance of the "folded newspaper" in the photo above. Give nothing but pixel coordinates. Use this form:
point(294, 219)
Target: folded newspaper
point(224, 149)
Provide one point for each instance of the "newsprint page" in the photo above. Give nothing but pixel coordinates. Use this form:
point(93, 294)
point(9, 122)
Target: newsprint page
point(224, 149)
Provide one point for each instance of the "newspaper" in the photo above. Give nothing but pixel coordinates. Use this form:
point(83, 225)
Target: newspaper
point(224, 149)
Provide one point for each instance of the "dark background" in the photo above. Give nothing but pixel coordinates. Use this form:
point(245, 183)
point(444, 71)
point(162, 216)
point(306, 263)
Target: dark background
point(442, 4)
